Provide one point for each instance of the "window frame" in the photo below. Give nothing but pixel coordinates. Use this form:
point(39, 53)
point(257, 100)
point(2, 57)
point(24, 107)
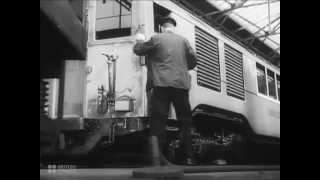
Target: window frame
point(161, 9)
point(267, 85)
point(92, 28)
point(265, 79)
point(274, 78)
point(277, 92)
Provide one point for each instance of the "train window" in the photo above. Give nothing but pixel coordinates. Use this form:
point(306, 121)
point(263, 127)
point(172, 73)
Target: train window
point(278, 86)
point(113, 18)
point(261, 77)
point(271, 84)
point(159, 12)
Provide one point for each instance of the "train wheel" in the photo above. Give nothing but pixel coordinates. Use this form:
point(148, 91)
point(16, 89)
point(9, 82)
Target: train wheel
point(219, 147)
point(222, 147)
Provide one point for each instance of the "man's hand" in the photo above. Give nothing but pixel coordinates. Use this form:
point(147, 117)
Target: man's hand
point(140, 37)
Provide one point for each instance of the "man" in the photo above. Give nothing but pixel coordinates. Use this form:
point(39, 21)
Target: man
point(169, 57)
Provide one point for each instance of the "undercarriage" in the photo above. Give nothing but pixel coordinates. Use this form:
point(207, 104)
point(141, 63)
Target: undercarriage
point(97, 147)
point(124, 141)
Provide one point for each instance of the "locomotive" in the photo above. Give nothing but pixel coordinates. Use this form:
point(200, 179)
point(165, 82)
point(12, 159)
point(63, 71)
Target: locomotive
point(234, 96)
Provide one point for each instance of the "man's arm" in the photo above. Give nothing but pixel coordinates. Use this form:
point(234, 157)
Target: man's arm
point(191, 56)
point(144, 48)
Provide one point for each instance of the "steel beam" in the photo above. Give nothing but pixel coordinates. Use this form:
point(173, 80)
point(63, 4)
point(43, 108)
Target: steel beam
point(213, 22)
point(262, 28)
point(233, 7)
point(238, 7)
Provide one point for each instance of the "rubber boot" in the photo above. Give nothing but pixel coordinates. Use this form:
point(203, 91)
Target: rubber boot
point(157, 171)
point(164, 161)
point(155, 151)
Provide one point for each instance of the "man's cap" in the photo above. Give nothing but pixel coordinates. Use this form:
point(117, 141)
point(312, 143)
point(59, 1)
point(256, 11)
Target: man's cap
point(168, 19)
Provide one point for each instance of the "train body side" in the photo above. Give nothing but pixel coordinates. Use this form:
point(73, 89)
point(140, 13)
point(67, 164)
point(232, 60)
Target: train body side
point(104, 96)
point(262, 113)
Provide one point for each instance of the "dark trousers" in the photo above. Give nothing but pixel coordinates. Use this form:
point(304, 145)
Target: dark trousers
point(160, 104)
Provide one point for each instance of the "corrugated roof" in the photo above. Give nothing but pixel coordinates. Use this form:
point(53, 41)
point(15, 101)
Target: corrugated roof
point(253, 23)
point(260, 17)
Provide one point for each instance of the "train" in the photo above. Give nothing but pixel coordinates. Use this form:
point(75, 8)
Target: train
point(101, 101)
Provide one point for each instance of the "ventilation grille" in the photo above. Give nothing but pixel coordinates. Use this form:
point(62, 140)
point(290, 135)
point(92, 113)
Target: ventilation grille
point(234, 72)
point(208, 74)
point(43, 98)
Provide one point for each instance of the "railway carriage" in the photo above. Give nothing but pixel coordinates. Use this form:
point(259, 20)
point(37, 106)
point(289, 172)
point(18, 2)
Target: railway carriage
point(235, 93)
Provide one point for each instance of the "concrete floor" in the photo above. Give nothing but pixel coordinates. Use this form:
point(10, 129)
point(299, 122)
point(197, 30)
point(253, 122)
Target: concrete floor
point(126, 174)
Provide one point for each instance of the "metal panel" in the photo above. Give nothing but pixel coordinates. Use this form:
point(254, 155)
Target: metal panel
point(206, 50)
point(231, 86)
point(232, 81)
point(208, 43)
point(208, 85)
point(234, 72)
point(234, 68)
point(208, 74)
point(233, 59)
point(208, 79)
point(73, 91)
point(205, 35)
point(207, 56)
point(113, 81)
point(205, 68)
point(63, 16)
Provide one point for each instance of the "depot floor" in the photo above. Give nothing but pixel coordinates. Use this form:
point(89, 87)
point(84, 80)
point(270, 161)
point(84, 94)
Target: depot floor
point(126, 174)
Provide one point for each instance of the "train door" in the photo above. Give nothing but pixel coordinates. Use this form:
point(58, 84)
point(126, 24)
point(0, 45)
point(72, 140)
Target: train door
point(116, 77)
point(183, 28)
